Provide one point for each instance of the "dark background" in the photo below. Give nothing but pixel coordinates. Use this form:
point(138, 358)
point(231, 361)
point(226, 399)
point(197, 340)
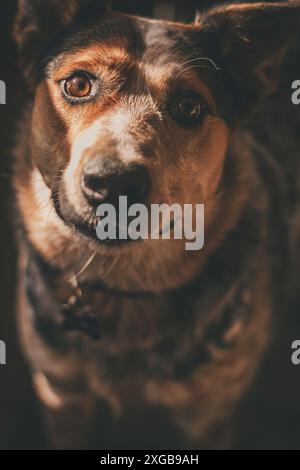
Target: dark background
point(269, 417)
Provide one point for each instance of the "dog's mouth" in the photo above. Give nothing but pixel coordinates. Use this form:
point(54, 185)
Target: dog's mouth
point(87, 225)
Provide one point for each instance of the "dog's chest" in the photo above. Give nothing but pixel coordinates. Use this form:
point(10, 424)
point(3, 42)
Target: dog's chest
point(128, 343)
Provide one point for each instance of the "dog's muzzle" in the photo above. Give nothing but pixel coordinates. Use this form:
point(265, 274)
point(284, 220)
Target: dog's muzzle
point(168, 10)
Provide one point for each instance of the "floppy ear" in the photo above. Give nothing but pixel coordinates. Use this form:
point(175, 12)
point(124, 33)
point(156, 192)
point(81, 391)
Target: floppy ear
point(249, 42)
point(38, 22)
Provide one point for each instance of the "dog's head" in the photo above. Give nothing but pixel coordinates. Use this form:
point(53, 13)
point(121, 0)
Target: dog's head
point(141, 108)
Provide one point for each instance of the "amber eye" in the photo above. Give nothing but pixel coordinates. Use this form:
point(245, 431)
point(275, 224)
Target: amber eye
point(78, 86)
point(188, 109)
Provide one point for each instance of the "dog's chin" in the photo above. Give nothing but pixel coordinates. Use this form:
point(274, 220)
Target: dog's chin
point(85, 225)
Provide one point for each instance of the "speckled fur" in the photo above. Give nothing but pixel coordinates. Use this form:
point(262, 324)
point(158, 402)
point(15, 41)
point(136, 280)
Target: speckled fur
point(180, 332)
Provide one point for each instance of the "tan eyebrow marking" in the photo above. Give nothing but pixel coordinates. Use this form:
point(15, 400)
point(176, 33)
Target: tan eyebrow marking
point(92, 59)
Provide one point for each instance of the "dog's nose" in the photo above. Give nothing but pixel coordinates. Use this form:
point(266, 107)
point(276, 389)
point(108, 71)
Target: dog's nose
point(105, 179)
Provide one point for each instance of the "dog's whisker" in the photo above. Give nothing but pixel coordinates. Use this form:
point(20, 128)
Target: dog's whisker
point(86, 265)
point(47, 221)
point(207, 59)
point(203, 66)
point(143, 248)
point(112, 266)
point(41, 206)
point(36, 193)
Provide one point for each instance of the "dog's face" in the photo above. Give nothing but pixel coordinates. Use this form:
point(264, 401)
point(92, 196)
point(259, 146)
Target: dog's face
point(128, 118)
point(138, 108)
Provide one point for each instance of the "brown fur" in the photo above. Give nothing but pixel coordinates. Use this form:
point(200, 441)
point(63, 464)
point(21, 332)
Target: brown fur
point(192, 338)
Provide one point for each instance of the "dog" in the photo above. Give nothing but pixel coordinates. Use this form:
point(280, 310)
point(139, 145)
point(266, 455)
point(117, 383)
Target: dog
point(156, 110)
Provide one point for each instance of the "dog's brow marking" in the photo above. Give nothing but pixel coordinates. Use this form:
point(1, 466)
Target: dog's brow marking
point(88, 58)
point(156, 72)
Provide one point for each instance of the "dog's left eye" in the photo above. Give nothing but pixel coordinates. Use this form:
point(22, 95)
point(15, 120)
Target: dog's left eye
point(78, 86)
point(188, 109)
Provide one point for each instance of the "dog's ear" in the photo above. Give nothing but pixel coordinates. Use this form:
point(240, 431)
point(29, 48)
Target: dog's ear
point(249, 42)
point(38, 21)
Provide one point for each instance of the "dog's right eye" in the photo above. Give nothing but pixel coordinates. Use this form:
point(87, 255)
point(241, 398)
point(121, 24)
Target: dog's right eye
point(78, 86)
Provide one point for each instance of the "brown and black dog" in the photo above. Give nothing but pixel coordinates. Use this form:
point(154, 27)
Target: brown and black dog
point(158, 105)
